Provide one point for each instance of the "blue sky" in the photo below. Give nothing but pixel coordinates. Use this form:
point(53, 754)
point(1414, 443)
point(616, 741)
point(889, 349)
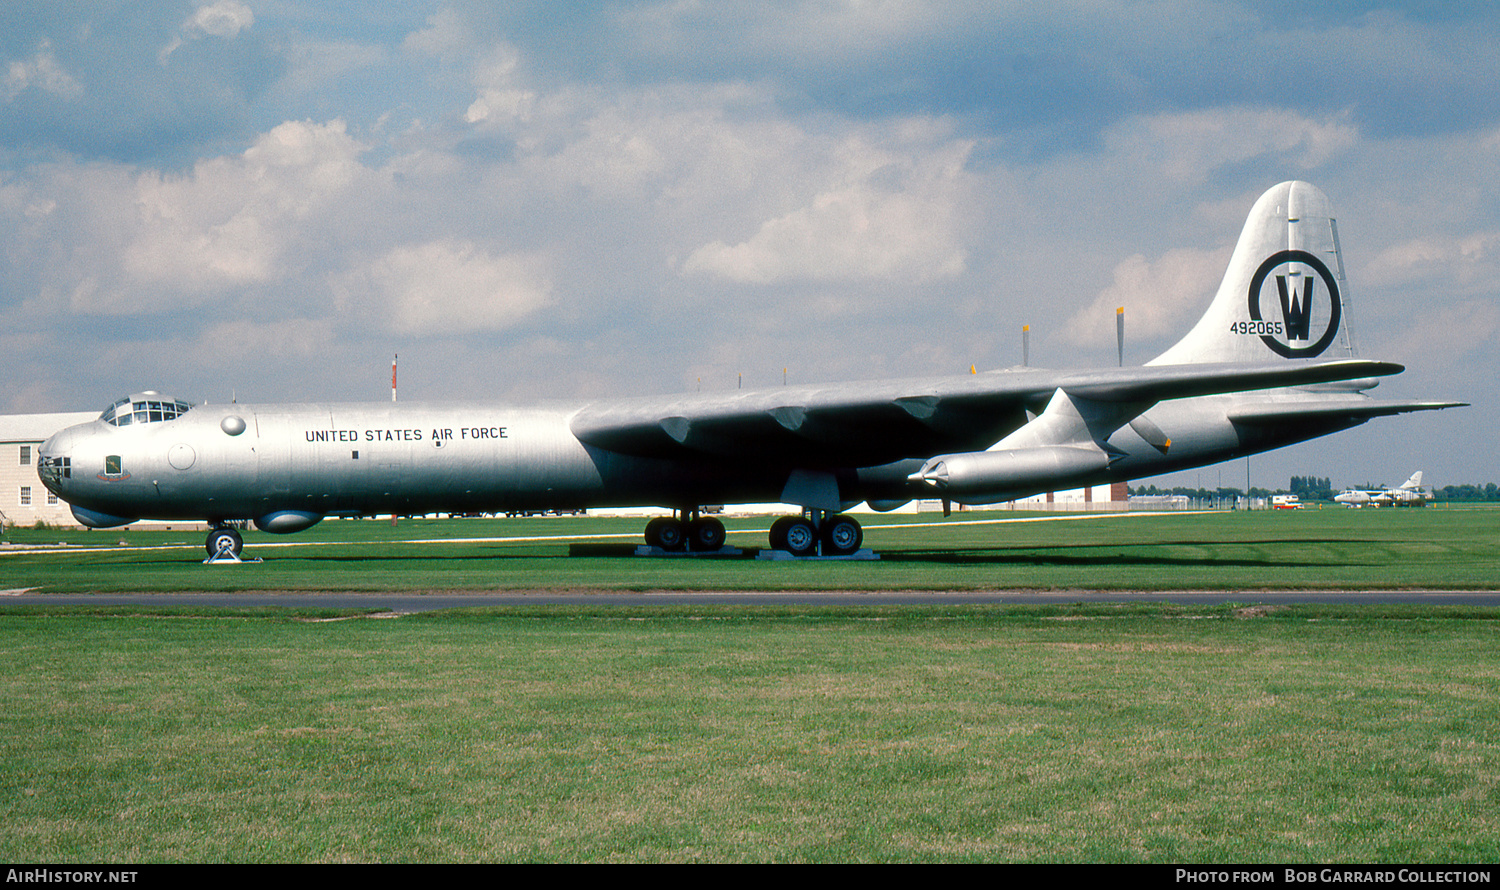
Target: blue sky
point(268, 199)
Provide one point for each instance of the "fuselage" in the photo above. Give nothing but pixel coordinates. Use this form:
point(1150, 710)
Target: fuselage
point(236, 461)
point(286, 466)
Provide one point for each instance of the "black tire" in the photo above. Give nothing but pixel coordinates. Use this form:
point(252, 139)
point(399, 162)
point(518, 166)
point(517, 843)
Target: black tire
point(778, 532)
point(665, 533)
point(797, 536)
point(705, 534)
point(219, 537)
point(842, 535)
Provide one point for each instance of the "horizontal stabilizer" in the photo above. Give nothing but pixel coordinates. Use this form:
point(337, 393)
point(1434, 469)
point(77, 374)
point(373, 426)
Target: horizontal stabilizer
point(1342, 409)
point(1160, 382)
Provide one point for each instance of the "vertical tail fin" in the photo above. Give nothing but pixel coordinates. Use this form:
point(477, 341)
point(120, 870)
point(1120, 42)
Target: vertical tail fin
point(1283, 293)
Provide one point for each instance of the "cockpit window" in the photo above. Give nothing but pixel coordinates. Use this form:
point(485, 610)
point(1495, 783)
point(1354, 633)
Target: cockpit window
point(146, 407)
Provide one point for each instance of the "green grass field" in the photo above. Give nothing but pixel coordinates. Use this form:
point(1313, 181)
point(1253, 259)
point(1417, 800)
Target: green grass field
point(1435, 548)
point(1145, 732)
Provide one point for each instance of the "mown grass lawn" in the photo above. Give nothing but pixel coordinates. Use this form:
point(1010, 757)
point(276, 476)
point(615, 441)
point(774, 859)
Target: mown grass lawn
point(1145, 733)
point(1444, 547)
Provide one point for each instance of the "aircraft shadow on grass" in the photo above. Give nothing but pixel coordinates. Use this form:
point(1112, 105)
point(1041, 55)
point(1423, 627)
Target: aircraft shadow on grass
point(1104, 560)
point(1107, 554)
point(1092, 554)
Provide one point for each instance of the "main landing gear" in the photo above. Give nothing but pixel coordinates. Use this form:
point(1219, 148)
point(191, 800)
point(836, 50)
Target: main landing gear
point(828, 534)
point(818, 533)
point(687, 530)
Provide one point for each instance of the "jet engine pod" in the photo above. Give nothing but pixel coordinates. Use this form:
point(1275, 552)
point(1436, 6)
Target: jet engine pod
point(284, 522)
point(998, 475)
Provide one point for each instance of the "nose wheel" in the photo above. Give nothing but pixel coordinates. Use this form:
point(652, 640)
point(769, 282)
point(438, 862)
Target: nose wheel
point(225, 544)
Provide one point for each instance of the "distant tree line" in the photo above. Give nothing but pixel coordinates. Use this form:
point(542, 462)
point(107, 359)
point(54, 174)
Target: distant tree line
point(1489, 492)
point(1311, 488)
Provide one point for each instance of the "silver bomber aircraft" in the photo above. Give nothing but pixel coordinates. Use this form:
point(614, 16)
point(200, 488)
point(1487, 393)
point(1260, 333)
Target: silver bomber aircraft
point(1270, 363)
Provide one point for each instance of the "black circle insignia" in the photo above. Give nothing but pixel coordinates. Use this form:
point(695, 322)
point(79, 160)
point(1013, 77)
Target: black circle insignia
point(1335, 310)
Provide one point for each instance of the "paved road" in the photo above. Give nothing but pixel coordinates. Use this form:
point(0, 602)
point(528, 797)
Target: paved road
point(417, 602)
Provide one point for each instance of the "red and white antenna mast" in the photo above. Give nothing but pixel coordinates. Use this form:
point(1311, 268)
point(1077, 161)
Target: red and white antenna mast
point(394, 356)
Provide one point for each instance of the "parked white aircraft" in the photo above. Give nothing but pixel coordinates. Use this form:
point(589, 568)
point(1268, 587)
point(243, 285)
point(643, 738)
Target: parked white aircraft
point(1410, 494)
point(1269, 364)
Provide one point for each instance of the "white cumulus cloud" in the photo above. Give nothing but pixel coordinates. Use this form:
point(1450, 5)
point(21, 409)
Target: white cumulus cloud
point(225, 18)
point(445, 287)
point(113, 239)
point(43, 72)
point(233, 219)
point(1187, 146)
point(1160, 297)
point(896, 219)
point(1462, 260)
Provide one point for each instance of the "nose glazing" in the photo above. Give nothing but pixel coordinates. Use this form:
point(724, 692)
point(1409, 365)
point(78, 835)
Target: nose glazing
point(54, 465)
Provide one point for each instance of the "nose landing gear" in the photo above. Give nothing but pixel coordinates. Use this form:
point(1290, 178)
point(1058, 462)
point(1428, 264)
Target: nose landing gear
point(224, 545)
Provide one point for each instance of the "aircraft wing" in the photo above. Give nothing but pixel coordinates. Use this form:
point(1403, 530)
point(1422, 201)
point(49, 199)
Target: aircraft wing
point(869, 423)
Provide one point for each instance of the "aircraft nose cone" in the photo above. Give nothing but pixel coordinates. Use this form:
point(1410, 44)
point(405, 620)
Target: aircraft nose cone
point(54, 462)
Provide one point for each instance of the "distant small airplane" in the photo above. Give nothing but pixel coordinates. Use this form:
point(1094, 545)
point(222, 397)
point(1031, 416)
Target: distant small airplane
point(1410, 494)
point(1270, 363)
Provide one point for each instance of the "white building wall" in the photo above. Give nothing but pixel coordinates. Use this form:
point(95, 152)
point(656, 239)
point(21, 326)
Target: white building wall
point(1077, 500)
point(23, 498)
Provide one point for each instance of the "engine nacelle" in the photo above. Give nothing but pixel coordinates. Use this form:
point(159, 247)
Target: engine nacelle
point(1001, 475)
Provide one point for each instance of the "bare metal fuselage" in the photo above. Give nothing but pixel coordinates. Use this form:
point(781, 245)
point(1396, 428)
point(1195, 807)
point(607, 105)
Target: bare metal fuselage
point(363, 459)
point(330, 459)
